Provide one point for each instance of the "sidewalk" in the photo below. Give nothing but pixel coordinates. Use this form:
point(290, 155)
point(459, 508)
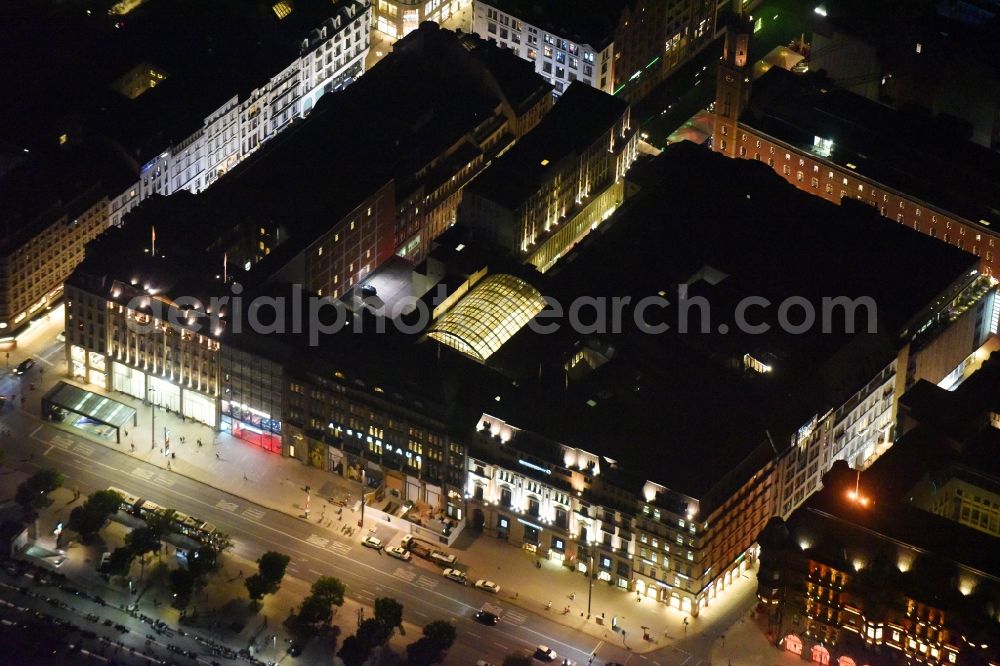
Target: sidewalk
point(746, 644)
point(525, 586)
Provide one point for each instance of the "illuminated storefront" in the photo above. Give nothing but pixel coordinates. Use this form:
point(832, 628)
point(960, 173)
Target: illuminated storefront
point(252, 425)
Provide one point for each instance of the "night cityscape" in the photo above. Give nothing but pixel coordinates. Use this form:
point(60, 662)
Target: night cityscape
point(500, 332)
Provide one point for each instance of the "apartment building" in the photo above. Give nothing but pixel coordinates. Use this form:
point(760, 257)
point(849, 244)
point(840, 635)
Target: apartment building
point(623, 48)
point(328, 57)
point(835, 144)
point(558, 183)
point(53, 204)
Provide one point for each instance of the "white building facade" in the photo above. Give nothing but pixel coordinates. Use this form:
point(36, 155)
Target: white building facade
point(330, 57)
point(556, 58)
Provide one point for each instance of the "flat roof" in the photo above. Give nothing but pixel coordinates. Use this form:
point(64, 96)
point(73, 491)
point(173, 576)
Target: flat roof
point(581, 115)
point(913, 154)
point(683, 408)
point(90, 404)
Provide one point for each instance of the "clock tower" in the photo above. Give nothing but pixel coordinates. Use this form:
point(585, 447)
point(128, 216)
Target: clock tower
point(732, 88)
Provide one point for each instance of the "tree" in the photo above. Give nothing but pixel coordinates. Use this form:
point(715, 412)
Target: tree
point(257, 587)
point(181, 586)
point(353, 652)
point(313, 616)
point(373, 633)
point(32, 494)
point(142, 540)
point(85, 522)
point(389, 612)
point(203, 561)
point(160, 524)
point(271, 566)
point(120, 562)
point(329, 590)
point(518, 659)
point(442, 634)
point(438, 637)
point(89, 518)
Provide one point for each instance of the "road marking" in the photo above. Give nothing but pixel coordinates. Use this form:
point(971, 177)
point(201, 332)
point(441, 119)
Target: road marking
point(416, 612)
point(62, 441)
point(165, 481)
point(142, 473)
point(409, 575)
point(502, 646)
point(285, 537)
point(339, 547)
point(426, 582)
point(318, 540)
point(34, 432)
point(254, 514)
point(84, 449)
point(318, 573)
point(514, 617)
point(48, 450)
point(472, 633)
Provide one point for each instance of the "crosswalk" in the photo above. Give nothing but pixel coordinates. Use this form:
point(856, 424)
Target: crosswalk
point(426, 582)
point(514, 617)
point(405, 573)
point(254, 514)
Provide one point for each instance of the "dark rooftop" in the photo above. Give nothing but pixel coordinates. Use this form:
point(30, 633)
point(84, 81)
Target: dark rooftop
point(580, 116)
point(52, 183)
point(910, 153)
point(655, 406)
point(208, 51)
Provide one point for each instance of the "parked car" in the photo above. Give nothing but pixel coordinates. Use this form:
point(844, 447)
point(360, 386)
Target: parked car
point(455, 575)
point(545, 653)
point(61, 337)
point(483, 662)
point(487, 585)
point(372, 542)
point(25, 365)
point(399, 553)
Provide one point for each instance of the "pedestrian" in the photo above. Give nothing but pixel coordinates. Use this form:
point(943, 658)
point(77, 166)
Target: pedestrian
point(245, 477)
point(168, 464)
point(241, 573)
point(126, 432)
point(217, 456)
point(199, 443)
point(132, 445)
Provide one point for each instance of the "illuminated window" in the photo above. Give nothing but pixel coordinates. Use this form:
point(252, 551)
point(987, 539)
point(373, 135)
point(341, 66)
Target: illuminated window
point(496, 308)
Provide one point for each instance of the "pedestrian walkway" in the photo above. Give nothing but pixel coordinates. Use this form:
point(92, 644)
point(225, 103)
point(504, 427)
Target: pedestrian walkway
point(527, 589)
point(266, 479)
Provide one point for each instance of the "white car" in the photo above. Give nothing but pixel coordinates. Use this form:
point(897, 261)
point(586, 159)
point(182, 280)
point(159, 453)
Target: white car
point(487, 585)
point(545, 653)
point(455, 575)
point(372, 542)
point(399, 553)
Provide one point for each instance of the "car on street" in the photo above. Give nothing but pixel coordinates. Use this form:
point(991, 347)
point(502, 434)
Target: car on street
point(487, 585)
point(399, 553)
point(545, 653)
point(483, 662)
point(455, 574)
point(25, 365)
point(487, 618)
point(372, 542)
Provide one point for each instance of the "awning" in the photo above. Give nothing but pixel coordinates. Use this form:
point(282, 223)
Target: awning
point(91, 405)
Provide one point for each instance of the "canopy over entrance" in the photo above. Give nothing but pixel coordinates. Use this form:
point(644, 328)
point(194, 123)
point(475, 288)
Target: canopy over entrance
point(87, 411)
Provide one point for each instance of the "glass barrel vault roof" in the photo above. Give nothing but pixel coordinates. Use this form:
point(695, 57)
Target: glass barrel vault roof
point(488, 316)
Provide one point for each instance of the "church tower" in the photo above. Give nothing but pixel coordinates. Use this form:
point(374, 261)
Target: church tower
point(732, 88)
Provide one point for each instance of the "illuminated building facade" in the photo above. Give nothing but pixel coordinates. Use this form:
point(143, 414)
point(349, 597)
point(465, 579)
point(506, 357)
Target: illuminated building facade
point(884, 566)
point(559, 182)
point(577, 436)
point(623, 48)
point(328, 57)
point(397, 18)
point(836, 145)
point(53, 205)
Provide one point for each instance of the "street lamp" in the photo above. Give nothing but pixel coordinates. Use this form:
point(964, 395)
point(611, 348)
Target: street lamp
point(361, 523)
point(590, 580)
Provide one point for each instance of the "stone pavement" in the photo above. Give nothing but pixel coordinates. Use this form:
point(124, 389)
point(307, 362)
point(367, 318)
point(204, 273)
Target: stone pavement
point(746, 644)
point(258, 476)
